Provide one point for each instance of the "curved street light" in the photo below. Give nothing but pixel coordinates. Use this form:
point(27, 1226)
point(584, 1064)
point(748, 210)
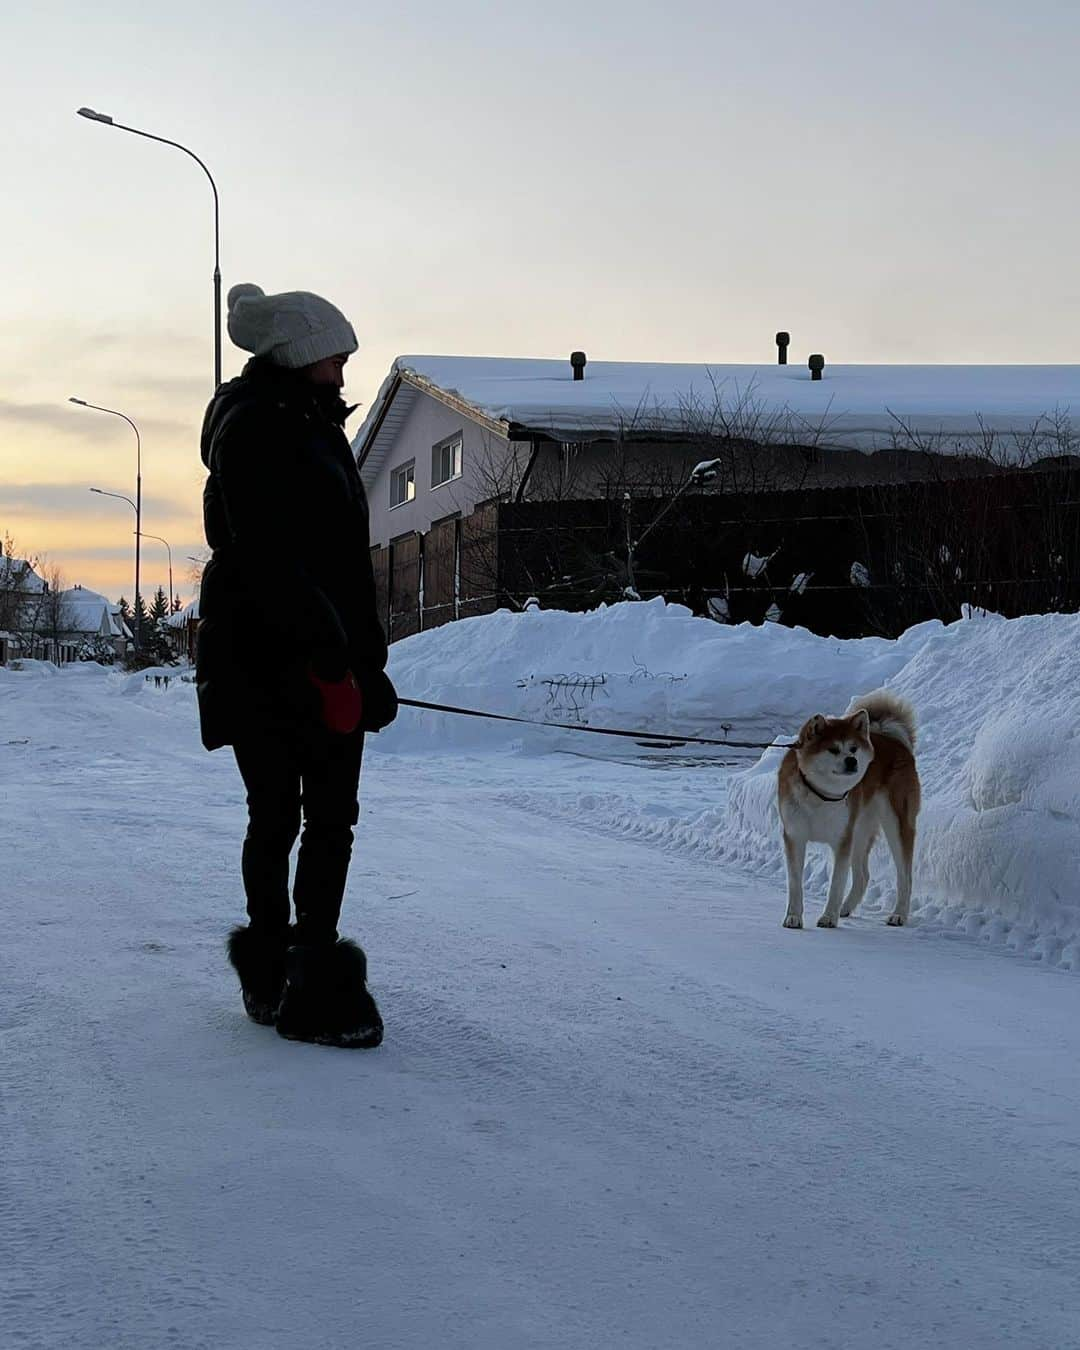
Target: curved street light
point(106, 120)
point(158, 537)
point(137, 503)
point(120, 497)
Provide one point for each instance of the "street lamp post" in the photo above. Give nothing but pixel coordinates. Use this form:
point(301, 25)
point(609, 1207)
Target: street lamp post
point(120, 496)
point(106, 120)
point(137, 503)
point(169, 551)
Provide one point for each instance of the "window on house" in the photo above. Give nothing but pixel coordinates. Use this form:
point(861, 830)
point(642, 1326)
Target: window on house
point(403, 484)
point(446, 461)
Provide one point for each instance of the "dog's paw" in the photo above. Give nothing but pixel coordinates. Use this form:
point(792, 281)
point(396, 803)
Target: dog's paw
point(847, 911)
point(827, 921)
point(792, 921)
point(896, 921)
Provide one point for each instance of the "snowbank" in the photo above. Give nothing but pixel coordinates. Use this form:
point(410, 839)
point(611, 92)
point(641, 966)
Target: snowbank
point(645, 666)
point(999, 748)
point(999, 758)
point(25, 666)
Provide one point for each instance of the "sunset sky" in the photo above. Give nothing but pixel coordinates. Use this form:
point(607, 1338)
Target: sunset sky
point(646, 182)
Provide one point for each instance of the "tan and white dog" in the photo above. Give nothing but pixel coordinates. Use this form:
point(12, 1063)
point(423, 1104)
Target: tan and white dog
point(843, 780)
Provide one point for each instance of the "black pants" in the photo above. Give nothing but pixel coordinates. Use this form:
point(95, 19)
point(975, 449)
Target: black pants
point(316, 775)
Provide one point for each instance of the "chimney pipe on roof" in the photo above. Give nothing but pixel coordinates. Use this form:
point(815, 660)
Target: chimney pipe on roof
point(817, 365)
point(577, 361)
point(782, 340)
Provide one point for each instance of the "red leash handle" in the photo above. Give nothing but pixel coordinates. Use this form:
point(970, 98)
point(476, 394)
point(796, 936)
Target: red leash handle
point(342, 702)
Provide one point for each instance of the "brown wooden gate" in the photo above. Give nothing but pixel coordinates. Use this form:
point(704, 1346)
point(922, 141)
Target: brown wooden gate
point(405, 563)
point(479, 568)
point(441, 560)
point(380, 565)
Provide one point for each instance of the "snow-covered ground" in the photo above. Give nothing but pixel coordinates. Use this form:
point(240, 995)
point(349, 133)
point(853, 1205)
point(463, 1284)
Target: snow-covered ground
point(618, 1104)
point(999, 740)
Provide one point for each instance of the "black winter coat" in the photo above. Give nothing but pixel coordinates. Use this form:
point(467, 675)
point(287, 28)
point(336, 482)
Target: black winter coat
point(290, 583)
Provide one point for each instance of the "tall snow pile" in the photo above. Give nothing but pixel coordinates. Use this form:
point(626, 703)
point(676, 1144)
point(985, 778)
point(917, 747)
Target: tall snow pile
point(999, 759)
point(999, 738)
point(646, 666)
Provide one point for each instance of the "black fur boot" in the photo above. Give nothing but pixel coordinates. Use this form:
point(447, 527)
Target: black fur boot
point(326, 998)
point(258, 957)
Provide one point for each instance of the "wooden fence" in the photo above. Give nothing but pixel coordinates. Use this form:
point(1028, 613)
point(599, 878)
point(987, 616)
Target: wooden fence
point(451, 572)
point(844, 561)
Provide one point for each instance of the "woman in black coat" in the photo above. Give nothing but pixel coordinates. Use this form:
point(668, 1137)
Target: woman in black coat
point(291, 655)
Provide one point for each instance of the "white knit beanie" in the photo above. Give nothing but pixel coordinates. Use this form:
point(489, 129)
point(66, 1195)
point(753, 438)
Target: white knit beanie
point(293, 329)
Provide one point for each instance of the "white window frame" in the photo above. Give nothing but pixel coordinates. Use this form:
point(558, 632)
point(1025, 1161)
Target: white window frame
point(395, 473)
point(456, 444)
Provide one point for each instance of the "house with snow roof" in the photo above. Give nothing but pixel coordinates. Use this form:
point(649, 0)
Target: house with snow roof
point(446, 433)
point(89, 626)
point(22, 594)
point(37, 623)
point(873, 496)
point(181, 630)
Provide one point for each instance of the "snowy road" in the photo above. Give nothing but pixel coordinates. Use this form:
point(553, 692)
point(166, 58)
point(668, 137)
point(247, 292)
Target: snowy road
point(617, 1105)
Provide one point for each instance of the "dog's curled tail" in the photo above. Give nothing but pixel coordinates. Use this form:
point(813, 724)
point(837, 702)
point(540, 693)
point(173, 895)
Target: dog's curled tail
point(890, 715)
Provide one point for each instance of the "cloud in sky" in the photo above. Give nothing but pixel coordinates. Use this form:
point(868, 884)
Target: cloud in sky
point(179, 388)
point(67, 419)
point(73, 501)
point(95, 553)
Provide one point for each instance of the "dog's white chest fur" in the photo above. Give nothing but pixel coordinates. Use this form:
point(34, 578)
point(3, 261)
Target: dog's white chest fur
point(807, 817)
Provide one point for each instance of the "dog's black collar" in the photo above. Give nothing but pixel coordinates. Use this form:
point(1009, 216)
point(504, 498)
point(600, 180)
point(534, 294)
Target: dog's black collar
point(813, 789)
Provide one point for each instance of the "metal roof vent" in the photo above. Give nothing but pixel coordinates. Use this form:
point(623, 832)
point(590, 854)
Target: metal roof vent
point(577, 361)
point(782, 340)
point(817, 365)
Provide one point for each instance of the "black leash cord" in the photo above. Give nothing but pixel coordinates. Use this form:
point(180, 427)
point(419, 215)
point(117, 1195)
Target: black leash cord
point(595, 731)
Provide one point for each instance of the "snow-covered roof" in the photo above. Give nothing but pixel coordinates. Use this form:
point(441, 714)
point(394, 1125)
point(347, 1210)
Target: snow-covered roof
point(181, 617)
point(853, 406)
point(88, 612)
point(18, 574)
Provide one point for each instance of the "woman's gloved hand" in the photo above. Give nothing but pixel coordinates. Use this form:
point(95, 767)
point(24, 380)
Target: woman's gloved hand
point(342, 702)
point(380, 699)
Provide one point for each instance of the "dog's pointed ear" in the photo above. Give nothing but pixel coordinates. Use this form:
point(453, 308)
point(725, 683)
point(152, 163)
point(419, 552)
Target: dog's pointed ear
point(861, 723)
point(811, 729)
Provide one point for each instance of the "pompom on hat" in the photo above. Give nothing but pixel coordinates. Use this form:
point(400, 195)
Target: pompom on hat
point(294, 328)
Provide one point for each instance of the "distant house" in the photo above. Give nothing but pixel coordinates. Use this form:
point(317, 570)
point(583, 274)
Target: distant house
point(181, 629)
point(40, 624)
point(89, 627)
point(446, 433)
point(22, 594)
